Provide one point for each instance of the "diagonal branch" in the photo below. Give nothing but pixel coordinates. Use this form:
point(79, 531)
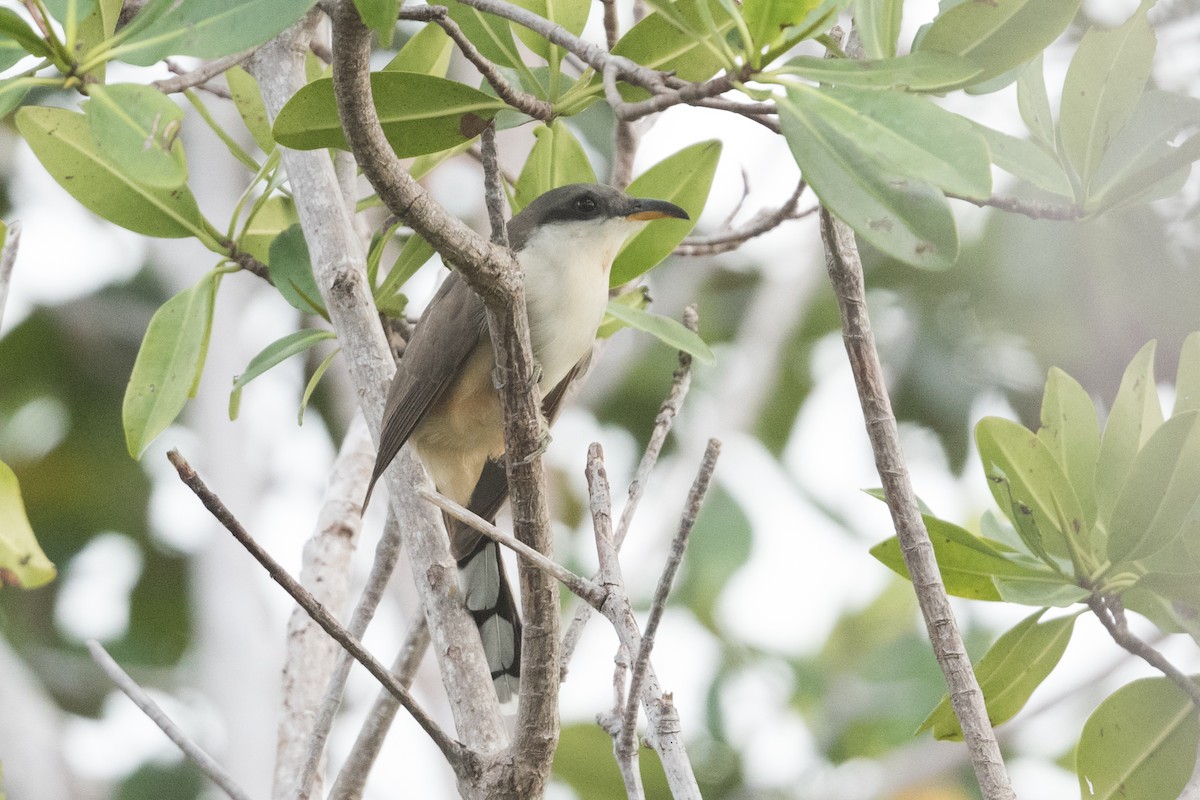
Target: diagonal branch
point(1111, 613)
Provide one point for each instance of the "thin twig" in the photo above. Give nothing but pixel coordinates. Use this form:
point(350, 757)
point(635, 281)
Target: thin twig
point(581, 587)
point(493, 186)
point(247, 261)
point(731, 238)
point(1030, 208)
point(846, 275)
point(681, 381)
point(659, 605)
point(194, 752)
point(453, 750)
point(8, 259)
point(1111, 613)
point(353, 775)
point(201, 74)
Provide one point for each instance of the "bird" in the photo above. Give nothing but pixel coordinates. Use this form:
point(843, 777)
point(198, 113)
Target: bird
point(443, 399)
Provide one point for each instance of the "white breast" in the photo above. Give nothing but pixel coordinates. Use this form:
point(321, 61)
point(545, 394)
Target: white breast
point(566, 268)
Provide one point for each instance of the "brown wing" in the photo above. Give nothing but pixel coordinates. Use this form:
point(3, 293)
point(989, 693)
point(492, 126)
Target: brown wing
point(446, 334)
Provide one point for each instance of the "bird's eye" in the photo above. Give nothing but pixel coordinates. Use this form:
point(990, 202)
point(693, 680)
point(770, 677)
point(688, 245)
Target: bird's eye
point(585, 205)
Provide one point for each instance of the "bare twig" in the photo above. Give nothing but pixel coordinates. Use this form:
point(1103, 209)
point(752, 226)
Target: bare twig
point(453, 751)
point(731, 238)
point(8, 258)
point(1111, 613)
point(681, 381)
point(353, 776)
point(151, 709)
point(641, 663)
point(846, 275)
point(519, 99)
point(493, 186)
point(247, 261)
point(200, 75)
point(1030, 208)
point(581, 587)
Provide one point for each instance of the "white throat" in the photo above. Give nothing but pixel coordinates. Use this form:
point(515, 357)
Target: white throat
point(566, 266)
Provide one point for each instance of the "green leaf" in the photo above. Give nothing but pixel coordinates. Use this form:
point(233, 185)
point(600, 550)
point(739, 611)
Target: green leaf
point(291, 270)
point(916, 72)
point(208, 28)
point(380, 16)
point(968, 563)
point(658, 43)
point(1054, 590)
point(419, 113)
point(13, 91)
point(557, 159)
point(767, 20)
point(1101, 91)
point(1030, 487)
point(413, 255)
point(248, 100)
point(1160, 141)
point(273, 354)
point(1009, 672)
point(1187, 378)
point(838, 149)
point(63, 142)
point(22, 562)
point(168, 365)
point(70, 13)
point(570, 14)
point(1160, 492)
point(1034, 103)
point(683, 178)
point(271, 218)
point(1028, 161)
point(96, 28)
point(1135, 416)
point(878, 24)
point(1139, 743)
point(427, 52)
point(18, 40)
point(137, 128)
point(311, 386)
point(667, 330)
point(492, 35)
point(998, 35)
point(1071, 432)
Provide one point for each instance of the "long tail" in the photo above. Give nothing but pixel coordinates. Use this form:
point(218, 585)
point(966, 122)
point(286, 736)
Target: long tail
point(490, 600)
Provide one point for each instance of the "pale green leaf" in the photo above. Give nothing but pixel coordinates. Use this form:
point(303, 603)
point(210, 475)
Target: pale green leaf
point(1034, 103)
point(70, 14)
point(917, 72)
point(557, 159)
point(137, 128)
point(272, 355)
point(1071, 432)
point(168, 365)
point(18, 40)
point(1010, 671)
point(291, 271)
point(419, 113)
point(1027, 160)
point(22, 562)
point(683, 178)
point(311, 386)
point(427, 52)
point(248, 100)
point(63, 142)
point(1056, 591)
point(667, 330)
point(271, 218)
point(878, 24)
point(1187, 377)
point(1134, 418)
point(1140, 743)
point(413, 255)
point(380, 16)
point(1101, 91)
point(572, 15)
point(658, 43)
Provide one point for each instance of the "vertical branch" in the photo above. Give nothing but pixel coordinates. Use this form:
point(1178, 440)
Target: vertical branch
point(493, 185)
point(846, 275)
point(8, 258)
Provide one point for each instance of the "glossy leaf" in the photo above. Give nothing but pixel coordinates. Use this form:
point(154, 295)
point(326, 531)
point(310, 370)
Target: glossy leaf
point(291, 271)
point(1034, 103)
point(557, 159)
point(96, 28)
point(22, 562)
point(1140, 743)
point(248, 100)
point(208, 28)
point(419, 113)
point(63, 142)
point(272, 355)
point(1029, 486)
point(1010, 671)
point(998, 35)
point(860, 152)
point(427, 52)
point(916, 72)
point(168, 365)
point(667, 330)
point(968, 563)
point(878, 24)
point(1187, 377)
point(1160, 493)
point(1134, 418)
point(1026, 160)
point(1071, 432)
point(1161, 139)
point(1101, 91)
point(17, 39)
point(683, 178)
point(137, 128)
